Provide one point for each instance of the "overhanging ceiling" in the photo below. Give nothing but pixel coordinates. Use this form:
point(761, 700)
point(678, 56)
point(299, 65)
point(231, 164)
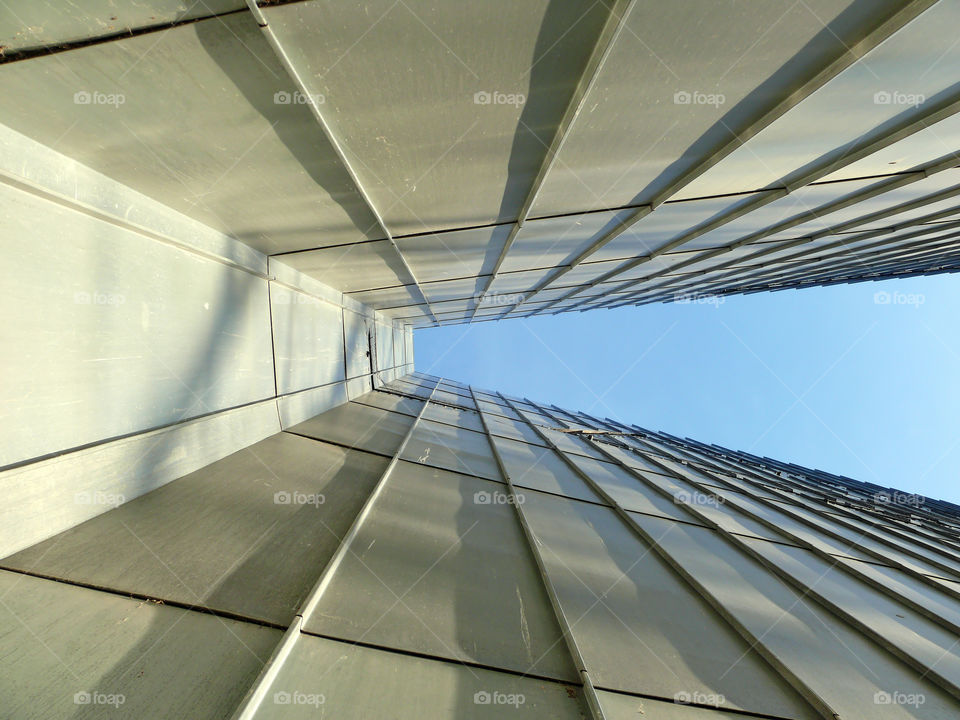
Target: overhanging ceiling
point(463, 162)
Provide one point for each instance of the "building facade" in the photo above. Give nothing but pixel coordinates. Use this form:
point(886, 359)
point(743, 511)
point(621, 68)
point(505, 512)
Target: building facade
point(433, 550)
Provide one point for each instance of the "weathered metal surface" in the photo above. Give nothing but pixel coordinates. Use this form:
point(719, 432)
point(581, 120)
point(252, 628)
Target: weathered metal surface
point(441, 568)
point(358, 426)
point(71, 652)
point(360, 682)
point(248, 534)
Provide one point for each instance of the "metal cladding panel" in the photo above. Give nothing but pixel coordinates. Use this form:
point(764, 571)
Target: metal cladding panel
point(627, 491)
point(358, 426)
point(452, 416)
point(919, 637)
point(569, 443)
point(212, 538)
point(507, 427)
point(39, 23)
point(385, 299)
point(454, 254)
point(360, 682)
point(308, 340)
point(712, 503)
point(900, 552)
point(923, 146)
point(709, 69)
point(641, 628)
point(454, 398)
point(862, 98)
point(474, 123)
point(517, 282)
point(846, 669)
point(806, 199)
point(947, 179)
point(96, 328)
point(389, 401)
point(617, 706)
point(541, 468)
point(70, 652)
point(150, 111)
point(633, 460)
point(467, 288)
point(354, 268)
point(553, 241)
point(942, 603)
point(441, 567)
point(451, 448)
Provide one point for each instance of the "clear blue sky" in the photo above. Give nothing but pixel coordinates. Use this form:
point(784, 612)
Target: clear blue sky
point(823, 377)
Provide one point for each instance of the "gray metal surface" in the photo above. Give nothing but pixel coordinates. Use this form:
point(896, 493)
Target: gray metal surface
point(441, 568)
point(451, 448)
point(641, 628)
point(213, 538)
point(358, 426)
point(503, 183)
point(271, 181)
point(359, 682)
point(71, 652)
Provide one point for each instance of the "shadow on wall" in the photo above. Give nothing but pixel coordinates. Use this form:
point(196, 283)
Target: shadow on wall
point(293, 124)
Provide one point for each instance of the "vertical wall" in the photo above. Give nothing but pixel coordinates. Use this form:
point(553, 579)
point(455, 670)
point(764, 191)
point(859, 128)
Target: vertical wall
point(139, 345)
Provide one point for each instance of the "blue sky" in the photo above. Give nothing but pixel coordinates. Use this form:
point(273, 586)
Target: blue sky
point(823, 377)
